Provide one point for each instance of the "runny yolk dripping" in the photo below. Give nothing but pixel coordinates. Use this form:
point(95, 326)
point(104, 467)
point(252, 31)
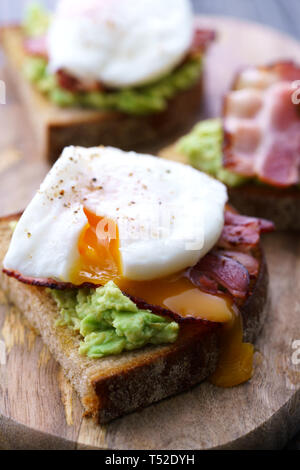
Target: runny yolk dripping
point(235, 364)
point(100, 262)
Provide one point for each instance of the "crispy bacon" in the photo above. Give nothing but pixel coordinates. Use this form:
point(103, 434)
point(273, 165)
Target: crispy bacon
point(247, 260)
point(70, 83)
point(52, 284)
point(201, 41)
point(172, 315)
point(235, 235)
point(46, 282)
point(232, 218)
point(243, 232)
point(286, 70)
point(262, 125)
point(36, 46)
point(202, 280)
point(228, 273)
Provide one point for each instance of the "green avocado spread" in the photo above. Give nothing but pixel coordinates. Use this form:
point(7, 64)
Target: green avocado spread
point(139, 100)
point(203, 147)
point(109, 322)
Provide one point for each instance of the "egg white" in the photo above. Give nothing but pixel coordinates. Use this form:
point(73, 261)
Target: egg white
point(119, 43)
point(169, 215)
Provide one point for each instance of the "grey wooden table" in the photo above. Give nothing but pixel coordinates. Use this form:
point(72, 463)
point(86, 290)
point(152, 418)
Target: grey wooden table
point(280, 14)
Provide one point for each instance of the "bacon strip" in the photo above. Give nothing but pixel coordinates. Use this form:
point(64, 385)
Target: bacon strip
point(172, 315)
point(231, 270)
point(36, 46)
point(234, 236)
point(243, 232)
point(262, 125)
point(52, 284)
point(202, 40)
point(225, 271)
point(247, 260)
point(203, 280)
point(70, 83)
point(46, 282)
point(232, 218)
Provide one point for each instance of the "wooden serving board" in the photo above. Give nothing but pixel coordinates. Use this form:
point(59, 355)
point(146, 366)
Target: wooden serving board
point(38, 407)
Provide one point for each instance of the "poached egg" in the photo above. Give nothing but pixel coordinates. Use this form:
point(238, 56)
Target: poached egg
point(103, 214)
point(120, 43)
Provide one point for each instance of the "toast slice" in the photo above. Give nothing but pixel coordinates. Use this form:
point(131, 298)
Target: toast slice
point(282, 206)
point(115, 385)
point(56, 128)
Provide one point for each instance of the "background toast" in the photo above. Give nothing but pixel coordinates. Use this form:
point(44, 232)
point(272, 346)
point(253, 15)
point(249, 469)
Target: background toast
point(56, 128)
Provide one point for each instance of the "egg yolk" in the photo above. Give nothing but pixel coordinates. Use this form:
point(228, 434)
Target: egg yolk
point(100, 262)
point(98, 247)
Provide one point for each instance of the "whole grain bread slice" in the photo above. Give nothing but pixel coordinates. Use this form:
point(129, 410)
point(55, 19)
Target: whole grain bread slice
point(56, 128)
point(282, 206)
point(113, 386)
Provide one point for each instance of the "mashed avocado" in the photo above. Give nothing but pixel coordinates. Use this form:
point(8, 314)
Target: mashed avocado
point(139, 100)
point(36, 21)
point(110, 322)
point(203, 147)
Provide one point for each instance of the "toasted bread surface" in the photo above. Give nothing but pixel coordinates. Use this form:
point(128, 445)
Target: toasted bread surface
point(57, 128)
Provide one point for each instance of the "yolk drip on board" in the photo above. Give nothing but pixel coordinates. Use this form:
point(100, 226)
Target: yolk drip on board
point(100, 262)
point(235, 364)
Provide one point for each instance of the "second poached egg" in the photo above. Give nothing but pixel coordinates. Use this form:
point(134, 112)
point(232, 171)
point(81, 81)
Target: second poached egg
point(120, 43)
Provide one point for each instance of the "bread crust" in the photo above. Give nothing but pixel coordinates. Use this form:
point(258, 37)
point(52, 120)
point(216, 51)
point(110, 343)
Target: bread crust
point(255, 308)
point(56, 128)
point(282, 206)
point(113, 386)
